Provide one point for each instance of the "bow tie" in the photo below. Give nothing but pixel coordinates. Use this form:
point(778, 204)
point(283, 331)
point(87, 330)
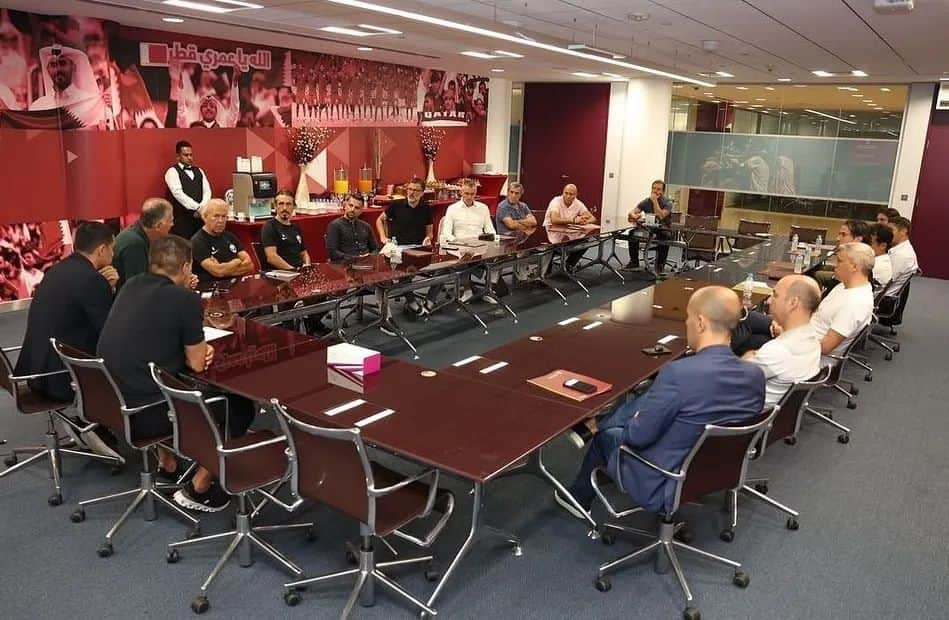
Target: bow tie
point(188, 167)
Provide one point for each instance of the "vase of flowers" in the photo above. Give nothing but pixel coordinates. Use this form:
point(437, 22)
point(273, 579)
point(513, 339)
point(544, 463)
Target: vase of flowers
point(431, 138)
point(305, 145)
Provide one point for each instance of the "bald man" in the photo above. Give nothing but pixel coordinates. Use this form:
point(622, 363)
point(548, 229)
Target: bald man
point(795, 354)
point(217, 253)
point(711, 387)
point(567, 209)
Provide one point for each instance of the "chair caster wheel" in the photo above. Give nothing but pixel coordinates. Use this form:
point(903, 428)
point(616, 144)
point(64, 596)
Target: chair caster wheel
point(200, 604)
point(868, 377)
point(727, 535)
point(844, 438)
point(78, 516)
point(854, 390)
point(691, 613)
point(55, 499)
point(851, 404)
point(762, 487)
point(790, 440)
point(888, 357)
point(896, 348)
point(172, 556)
point(10, 461)
point(292, 598)
point(607, 538)
point(311, 535)
point(793, 524)
point(683, 535)
point(351, 558)
point(741, 579)
point(602, 584)
point(432, 573)
point(105, 550)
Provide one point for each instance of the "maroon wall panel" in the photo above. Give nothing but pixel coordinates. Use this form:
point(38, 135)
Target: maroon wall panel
point(564, 141)
point(710, 117)
point(33, 174)
point(95, 179)
point(931, 213)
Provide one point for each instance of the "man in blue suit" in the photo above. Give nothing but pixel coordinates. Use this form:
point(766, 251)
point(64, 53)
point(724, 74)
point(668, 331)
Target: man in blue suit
point(712, 386)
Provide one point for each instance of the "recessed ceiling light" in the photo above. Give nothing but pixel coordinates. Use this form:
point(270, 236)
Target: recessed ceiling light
point(741, 88)
point(885, 90)
point(868, 100)
point(723, 74)
point(858, 95)
point(769, 87)
point(852, 115)
point(799, 85)
point(173, 20)
point(757, 105)
point(842, 120)
point(822, 73)
point(510, 38)
point(760, 99)
point(352, 32)
point(380, 29)
point(784, 79)
point(709, 94)
point(497, 70)
point(483, 55)
point(584, 74)
point(858, 73)
point(851, 88)
point(715, 101)
point(615, 76)
point(213, 8)
point(677, 86)
point(944, 79)
point(580, 47)
point(364, 49)
point(508, 54)
point(741, 102)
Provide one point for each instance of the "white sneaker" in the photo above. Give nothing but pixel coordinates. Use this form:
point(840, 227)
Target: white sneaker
point(466, 295)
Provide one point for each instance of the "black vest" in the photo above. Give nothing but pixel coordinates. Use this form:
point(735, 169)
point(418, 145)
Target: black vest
point(193, 188)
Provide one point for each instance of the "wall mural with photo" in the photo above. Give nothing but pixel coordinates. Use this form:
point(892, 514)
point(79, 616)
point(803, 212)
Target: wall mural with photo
point(90, 94)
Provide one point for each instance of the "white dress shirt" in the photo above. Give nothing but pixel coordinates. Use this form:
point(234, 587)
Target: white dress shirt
point(791, 357)
point(464, 222)
point(883, 269)
point(174, 186)
point(844, 310)
point(903, 257)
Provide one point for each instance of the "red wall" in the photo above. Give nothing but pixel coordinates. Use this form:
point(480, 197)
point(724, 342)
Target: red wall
point(931, 214)
point(564, 141)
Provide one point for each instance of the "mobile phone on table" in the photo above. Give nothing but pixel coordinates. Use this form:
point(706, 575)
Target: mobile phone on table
point(580, 386)
point(657, 349)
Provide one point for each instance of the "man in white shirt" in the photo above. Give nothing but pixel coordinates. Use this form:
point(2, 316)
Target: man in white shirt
point(795, 355)
point(849, 306)
point(567, 209)
point(881, 237)
point(902, 254)
point(188, 191)
point(467, 218)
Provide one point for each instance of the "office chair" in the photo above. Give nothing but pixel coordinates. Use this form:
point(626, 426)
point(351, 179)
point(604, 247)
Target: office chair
point(889, 313)
point(101, 402)
point(807, 235)
point(702, 241)
point(750, 227)
point(256, 461)
point(259, 256)
point(717, 462)
point(836, 382)
point(332, 466)
point(28, 402)
point(785, 426)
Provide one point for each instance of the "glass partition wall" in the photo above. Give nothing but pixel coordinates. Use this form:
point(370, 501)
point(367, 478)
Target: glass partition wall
point(810, 155)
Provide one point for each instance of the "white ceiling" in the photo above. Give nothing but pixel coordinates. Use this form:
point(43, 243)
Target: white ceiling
point(757, 40)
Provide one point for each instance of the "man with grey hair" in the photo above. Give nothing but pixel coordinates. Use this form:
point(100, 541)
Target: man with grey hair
point(130, 256)
point(795, 354)
point(514, 215)
point(218, 253)
point(711, 387)
point(849, 306)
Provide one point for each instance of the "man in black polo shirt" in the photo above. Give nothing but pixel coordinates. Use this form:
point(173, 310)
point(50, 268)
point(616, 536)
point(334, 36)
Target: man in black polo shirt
point(130, 257)
point(281, 239)
point(156, 318)
point(409, 221)
point(656, 204)
point(217, 252)
point(348, 237)
point(188, 191)
point(70, 305)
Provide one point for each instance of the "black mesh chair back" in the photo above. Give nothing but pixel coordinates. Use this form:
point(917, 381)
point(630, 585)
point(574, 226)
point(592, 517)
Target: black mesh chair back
point(719, 459)
point(750, 227)
point(787, 421)
point(807, 235)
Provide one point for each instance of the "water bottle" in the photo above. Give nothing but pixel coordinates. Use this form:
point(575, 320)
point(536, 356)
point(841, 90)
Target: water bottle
point(794, 241)
point(747, 289)
point(817, 245)
point(396, 253)
point(798, 263)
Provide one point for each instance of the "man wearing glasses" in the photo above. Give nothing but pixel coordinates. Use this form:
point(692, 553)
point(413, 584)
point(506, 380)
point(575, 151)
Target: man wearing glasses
point(408, 220)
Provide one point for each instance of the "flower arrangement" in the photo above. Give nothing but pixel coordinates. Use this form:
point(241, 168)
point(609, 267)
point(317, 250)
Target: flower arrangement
point(306, 142)
point(431, 141)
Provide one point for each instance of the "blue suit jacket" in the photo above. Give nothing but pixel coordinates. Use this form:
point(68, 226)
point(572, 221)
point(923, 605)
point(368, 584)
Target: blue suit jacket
point(712, 386)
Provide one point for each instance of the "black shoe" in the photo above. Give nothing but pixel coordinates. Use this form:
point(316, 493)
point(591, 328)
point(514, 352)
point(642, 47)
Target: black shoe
point(579, 435)
point(170, 477)
point(212, 500)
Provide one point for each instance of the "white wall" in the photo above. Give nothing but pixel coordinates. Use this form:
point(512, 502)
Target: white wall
point(637, 135)
point(909, 157)
point(497, 146)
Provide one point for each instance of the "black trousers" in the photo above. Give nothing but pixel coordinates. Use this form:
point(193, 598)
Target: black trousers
point(751, 333)
point(236, 416)
point(662, 249)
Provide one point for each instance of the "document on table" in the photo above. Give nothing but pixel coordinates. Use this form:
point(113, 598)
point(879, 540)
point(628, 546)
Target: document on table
point(213, 333)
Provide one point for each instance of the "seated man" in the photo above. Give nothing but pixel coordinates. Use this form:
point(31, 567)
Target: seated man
point(514, 215)
point(849, 307)
point(409, 221)
point(130, 256)
point(348, 237)
point(281, 239)
point(712, 386)
point(71, 305)
point(157, 319)
point(902, 254)
point(567, 209)
point(660, 206)
point(795, 354)
point(881, 238)
point(217, 252)
point(849, 231)
point(465, 219)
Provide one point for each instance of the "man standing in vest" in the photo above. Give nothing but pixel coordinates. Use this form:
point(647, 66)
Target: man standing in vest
point(188, 190)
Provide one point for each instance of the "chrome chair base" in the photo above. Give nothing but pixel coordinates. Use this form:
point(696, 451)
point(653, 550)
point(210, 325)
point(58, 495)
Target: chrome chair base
point(824, 415)
point(757, 488)
point(145, 495)
point(244, 538)
point(52, 451)
point(367, 574)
